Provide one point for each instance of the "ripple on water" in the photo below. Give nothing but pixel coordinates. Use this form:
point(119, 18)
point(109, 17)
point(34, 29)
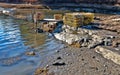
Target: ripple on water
point(15, 41)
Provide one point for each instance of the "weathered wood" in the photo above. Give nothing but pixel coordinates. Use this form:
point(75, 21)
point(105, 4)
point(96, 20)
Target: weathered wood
point(52, 20)
point(36, 17)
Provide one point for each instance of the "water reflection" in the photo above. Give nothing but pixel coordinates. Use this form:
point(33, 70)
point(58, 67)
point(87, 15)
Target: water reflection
point(33, 39)
point(10, 40)
point(15, 40)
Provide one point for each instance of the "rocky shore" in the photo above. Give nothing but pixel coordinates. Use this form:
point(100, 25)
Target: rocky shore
point(97, 51)
point(92, 35)
point(96, 55)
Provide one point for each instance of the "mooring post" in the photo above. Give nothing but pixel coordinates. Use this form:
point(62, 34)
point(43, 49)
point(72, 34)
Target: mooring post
point(35, 22)
point(36, 27)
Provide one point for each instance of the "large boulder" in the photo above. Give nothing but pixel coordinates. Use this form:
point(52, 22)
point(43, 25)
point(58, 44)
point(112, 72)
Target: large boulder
point(108, 54)
point(69, 38)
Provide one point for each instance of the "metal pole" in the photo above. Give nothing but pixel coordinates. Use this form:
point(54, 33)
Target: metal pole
point(36, 26)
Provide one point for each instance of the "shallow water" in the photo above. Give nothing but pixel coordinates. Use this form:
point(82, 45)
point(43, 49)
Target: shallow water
point(15, 41)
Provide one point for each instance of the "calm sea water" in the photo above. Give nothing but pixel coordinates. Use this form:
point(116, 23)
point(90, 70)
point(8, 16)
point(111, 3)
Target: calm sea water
point(15, 41)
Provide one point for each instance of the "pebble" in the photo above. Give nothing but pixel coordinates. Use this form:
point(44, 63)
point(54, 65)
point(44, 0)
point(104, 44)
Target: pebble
point(104, 70)
point(57, 51)
point(58, 58)
point(93, 57)
point(81, 49)
point(79, 55)
point(117, 49)
point(105, 66)
point(30, 53)
point(65, 46)
point(72, 54)
point(82, 59)
point(59, 63)
point(96, 68)
point(67, 54)
point(47, 66)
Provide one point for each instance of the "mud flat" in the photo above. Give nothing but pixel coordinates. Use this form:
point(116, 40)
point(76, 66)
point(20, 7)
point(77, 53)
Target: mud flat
point(80, 61)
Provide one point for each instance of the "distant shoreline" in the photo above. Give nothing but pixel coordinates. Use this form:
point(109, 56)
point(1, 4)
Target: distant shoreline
point(61, 5)
point(22, 6)
point(85, 5)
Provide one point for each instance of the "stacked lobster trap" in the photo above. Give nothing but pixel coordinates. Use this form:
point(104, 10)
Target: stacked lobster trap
point(78, 19)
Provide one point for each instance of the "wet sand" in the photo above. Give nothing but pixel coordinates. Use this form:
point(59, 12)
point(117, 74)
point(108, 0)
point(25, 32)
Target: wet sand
point(79, 61)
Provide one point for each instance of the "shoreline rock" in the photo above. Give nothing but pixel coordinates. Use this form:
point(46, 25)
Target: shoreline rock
point(108, 54)
point(84, 37)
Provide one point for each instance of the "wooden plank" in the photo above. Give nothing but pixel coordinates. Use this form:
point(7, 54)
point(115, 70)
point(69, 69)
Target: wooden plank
point(52, 20)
